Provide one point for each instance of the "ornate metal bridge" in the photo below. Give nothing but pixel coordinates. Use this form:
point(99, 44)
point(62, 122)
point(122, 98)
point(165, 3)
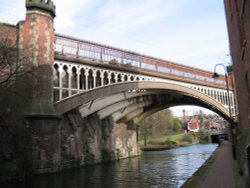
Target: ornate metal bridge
point(83, 67)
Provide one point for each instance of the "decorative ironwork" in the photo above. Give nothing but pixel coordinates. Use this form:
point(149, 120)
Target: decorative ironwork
point(72, 78)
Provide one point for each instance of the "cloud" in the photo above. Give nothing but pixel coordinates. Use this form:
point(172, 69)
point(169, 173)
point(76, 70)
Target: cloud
point(173, 30)
point(133, 18)
point(162, 29)
point(131, 15)
point(67, 11)
point(182, 31)
point(12, 12)
point(189, 110)
point(198, 43)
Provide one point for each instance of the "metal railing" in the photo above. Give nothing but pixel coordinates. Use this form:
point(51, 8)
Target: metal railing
point(81, 49)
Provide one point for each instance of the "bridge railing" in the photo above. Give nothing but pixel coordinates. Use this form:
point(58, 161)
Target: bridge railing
point(82, 49)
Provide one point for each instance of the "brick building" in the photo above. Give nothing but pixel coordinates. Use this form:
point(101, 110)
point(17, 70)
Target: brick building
point(238, 24)
point(194, 124)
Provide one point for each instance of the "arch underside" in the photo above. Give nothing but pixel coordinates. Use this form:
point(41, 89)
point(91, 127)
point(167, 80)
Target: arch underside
point(137, 100)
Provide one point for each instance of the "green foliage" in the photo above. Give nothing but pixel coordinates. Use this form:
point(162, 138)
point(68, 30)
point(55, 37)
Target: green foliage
point(145, 130)
point(203, 137)
point(169, 142)
point(156, 125)
point(187, 138)
point(176, 125)
point(155, 130)
point(156, 142)
point(174, 138)
point(179, 140)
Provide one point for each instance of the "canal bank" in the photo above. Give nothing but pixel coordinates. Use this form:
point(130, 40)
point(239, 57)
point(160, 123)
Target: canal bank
point(219, 171)
point(175, 141)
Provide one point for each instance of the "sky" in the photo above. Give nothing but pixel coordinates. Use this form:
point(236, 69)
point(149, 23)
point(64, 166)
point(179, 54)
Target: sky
point(189, 32)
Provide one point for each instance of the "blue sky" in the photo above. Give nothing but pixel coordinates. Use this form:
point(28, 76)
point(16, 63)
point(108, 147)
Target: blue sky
point(190, 32)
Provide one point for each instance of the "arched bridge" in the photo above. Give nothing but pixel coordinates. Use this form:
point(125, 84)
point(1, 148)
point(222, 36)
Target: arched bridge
point(99, 92)
point(110, 81)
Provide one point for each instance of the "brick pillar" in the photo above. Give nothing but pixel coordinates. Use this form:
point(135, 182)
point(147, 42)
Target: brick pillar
point(36, 50)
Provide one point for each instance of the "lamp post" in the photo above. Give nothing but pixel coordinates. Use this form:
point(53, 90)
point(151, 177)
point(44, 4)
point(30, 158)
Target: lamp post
point(216, 75)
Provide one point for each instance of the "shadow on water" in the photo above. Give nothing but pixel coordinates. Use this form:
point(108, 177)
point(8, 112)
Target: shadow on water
point(169, 168)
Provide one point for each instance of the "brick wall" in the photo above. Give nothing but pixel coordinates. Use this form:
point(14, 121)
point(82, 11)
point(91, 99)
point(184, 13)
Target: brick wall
point(8, 33)
point(238, 24)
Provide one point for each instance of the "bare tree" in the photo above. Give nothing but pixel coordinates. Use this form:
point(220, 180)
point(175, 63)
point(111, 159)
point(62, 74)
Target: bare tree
point(9, 65)
point(14, 98)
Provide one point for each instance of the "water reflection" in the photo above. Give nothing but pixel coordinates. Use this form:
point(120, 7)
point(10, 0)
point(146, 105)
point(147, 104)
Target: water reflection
point(169, 168)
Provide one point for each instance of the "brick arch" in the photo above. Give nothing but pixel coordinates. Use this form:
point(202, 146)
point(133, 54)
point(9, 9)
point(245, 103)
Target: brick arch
point(82, 98)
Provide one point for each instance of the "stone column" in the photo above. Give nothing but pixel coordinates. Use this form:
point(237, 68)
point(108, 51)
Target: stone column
point(78, 72)
point(87, 79)
point(60, 69)
point(102, 77)
point(94, 78)
point(70, 80)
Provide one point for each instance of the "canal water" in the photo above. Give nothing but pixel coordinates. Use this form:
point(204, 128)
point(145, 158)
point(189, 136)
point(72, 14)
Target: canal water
point(155, 169)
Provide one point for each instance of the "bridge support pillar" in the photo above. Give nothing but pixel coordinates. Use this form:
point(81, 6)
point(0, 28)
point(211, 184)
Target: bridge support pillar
point(45, 143)
point(36, 51)
point(126, 140)
point(91, 140)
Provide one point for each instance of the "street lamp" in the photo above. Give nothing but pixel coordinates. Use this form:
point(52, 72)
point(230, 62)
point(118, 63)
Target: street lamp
point(216, 75)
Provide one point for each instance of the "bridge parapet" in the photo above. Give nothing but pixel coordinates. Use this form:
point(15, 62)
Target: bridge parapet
point(80, 49)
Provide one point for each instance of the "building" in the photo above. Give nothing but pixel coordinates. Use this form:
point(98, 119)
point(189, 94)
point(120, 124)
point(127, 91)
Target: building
point(194, 124)
point(238, 24)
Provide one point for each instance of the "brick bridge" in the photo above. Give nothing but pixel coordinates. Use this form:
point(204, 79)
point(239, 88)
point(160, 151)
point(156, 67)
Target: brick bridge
point(216, 136)
point(88, 98)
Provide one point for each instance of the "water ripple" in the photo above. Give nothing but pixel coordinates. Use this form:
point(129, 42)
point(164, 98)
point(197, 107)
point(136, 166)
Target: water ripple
point(161, 169)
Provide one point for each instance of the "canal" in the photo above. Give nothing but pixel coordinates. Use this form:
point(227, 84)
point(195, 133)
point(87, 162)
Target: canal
point(155, 169)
